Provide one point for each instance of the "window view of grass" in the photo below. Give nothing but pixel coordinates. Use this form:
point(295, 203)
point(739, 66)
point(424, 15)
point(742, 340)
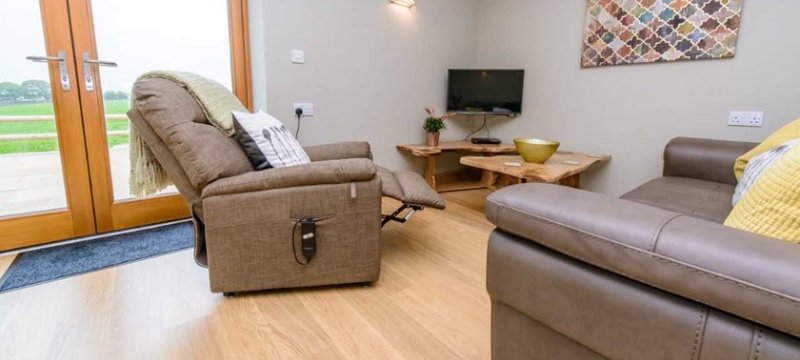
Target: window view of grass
point(116, 104)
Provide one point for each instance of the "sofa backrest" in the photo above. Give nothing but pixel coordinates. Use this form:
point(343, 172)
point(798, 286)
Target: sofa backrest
point(192, 151)
point(704, 159)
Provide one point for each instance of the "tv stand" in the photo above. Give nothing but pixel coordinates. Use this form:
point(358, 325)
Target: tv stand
point(449, 183)
point(488, 140)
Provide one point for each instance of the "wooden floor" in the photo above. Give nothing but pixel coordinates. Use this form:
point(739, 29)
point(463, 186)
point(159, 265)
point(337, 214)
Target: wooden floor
point(430, 303)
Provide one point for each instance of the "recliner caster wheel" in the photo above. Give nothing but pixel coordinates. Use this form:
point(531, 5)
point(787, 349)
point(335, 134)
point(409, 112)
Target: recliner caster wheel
point(229, 294)
point(366, 284)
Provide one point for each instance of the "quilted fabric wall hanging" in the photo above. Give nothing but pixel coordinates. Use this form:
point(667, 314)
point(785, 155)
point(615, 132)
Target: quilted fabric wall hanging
point(645, 31)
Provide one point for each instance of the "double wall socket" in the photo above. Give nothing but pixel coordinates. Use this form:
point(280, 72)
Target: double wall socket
point(746, 118)
point(308, 108)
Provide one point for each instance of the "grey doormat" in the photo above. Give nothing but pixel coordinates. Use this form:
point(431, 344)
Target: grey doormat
point(40, 266)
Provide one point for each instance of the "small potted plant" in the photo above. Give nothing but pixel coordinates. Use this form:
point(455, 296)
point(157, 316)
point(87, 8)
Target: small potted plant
point(434, 125)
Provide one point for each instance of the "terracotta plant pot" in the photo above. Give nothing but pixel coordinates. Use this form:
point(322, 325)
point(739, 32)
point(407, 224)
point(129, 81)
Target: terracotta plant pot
point(433, 139)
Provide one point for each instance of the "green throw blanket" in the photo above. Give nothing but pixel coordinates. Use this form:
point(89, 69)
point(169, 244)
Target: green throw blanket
point(218, 103)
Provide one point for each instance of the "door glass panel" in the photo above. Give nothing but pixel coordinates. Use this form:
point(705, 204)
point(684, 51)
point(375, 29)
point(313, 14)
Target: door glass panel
point(31, 176)
point(146, 35)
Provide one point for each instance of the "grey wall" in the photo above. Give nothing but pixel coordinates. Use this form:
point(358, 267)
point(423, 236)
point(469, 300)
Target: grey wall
point(370, 67)
point(631, 112)
point(258, 53)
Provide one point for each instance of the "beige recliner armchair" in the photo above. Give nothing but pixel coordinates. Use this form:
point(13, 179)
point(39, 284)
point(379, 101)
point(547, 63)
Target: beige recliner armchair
point(246, 222)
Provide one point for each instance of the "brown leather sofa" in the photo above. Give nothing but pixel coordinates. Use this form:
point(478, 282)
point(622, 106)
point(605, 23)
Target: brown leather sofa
point(654, 275)
point(245, 220)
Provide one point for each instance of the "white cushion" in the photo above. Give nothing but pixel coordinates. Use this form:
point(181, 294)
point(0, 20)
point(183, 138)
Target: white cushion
point(266, 141)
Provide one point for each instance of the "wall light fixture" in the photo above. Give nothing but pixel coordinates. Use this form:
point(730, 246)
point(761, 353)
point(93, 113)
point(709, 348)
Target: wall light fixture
point(406, 3)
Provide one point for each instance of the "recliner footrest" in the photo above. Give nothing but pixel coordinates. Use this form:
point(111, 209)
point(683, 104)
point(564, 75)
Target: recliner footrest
point(409, 188)
point(395, 216)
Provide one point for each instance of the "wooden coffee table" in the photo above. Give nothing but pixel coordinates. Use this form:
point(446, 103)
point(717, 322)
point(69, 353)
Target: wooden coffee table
point(553, 171)
point(431, 154)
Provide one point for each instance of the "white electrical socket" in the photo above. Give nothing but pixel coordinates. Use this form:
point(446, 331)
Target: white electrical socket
point(746, 118)
point(308, 108)
point(298, 57)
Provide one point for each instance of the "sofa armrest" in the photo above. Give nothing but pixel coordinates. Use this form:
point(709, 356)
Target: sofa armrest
point(338, 151)
point(704, 159)
point(316, 173)
point(749, 275)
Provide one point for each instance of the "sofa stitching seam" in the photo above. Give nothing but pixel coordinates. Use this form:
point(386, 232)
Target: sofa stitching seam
point(656, 257)
point(697, 333)
point(759, 338)
point(659, 229)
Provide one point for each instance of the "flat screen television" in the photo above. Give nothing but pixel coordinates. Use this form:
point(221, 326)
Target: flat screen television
point(485, 91)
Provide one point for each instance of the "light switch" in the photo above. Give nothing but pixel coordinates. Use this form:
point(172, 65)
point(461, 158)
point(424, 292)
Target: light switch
point(298, 57)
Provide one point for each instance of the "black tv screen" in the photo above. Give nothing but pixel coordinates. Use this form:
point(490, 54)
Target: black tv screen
point(485, 91)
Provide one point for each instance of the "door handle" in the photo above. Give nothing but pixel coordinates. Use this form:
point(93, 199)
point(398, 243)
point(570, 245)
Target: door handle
point(98, 62)
point(43, 58)
point(88, 72)
point(62, 67)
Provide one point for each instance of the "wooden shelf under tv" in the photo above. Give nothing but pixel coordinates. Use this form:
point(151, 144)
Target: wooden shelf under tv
point(454, 181)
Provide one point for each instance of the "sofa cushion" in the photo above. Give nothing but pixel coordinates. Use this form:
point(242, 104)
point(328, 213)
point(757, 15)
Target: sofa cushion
point(769, 207)
point(760, 165)
point(266, 141)
point(698, 198)
point(204, 152)
point(789, 132)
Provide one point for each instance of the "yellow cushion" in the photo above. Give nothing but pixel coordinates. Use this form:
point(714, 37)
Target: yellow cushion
point(771, 206)
point(786, 133)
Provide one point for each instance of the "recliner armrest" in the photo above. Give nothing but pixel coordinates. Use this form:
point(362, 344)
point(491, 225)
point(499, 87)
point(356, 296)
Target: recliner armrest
point(752, 276)
point(704, 159)
point(316, 173)
point(338, 151)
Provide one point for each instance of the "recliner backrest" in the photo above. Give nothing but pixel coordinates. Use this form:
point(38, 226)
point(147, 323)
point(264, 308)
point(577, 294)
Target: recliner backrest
point(204, 153)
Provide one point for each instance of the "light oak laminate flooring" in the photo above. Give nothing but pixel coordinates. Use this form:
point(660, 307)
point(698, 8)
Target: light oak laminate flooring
point(430, 303)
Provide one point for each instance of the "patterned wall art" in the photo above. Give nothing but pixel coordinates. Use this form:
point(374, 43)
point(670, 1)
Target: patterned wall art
point(645, 31)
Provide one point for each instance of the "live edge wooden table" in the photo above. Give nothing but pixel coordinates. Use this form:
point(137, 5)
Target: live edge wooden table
point(431, 153)
point(555, 170)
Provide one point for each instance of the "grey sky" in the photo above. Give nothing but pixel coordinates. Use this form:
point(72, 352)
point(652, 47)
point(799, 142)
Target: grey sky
point(21, 36)
point(141, 35)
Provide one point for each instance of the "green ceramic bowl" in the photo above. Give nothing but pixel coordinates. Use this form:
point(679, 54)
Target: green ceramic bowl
point(536, 150)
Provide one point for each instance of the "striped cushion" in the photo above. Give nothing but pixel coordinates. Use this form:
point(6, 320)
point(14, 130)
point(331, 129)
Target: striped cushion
point(771, 204)
point(787, 133)
point(758, 165)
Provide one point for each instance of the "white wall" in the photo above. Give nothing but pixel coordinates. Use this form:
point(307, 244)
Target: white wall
point(370, 67)
point(631, 112)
